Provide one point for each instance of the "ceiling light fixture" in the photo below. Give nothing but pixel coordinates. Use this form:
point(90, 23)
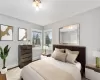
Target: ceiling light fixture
point(37, 4)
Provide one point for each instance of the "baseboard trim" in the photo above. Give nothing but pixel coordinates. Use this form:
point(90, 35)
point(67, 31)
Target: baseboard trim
point(12, 68)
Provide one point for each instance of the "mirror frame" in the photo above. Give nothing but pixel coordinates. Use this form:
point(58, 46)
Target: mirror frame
point(78, 35)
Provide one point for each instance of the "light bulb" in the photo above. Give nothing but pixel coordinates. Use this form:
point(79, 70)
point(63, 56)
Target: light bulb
point(37, 8)
point(34, 4)
point(37, 5)
point(40, 5)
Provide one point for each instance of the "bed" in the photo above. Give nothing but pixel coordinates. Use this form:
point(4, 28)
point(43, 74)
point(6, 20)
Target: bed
point(51, 69)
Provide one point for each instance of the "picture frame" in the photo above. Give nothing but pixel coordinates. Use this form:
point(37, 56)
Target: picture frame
point(22, 34)
point(6, 32)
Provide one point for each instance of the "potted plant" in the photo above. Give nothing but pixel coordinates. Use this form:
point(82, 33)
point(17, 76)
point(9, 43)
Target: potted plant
point(3, 54)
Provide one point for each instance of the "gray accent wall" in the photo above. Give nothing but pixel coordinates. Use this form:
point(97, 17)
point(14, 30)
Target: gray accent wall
point(89, 31)
point(12, 59)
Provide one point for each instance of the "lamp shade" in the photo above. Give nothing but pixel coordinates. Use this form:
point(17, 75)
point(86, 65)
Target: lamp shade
point(96, 53)
point(45, 47)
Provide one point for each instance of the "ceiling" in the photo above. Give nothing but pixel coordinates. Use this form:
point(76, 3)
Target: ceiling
point(51, 11)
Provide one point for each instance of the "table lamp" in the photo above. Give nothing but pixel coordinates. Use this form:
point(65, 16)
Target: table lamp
point(45, 48)
point(96, 54)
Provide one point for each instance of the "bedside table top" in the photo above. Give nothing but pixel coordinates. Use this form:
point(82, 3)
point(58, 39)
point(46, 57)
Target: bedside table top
point(46, 54)
point(93, 67)
point(3, 76)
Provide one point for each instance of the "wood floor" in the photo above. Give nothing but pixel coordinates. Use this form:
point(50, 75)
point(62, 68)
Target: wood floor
point(13, 74)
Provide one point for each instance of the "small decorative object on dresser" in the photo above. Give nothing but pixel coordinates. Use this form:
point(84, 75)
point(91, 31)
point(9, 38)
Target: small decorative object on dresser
point(24, 55)
point(3, 54)
point(92, 72)
point(45, 49)
point(96, 54)
point(3, 76)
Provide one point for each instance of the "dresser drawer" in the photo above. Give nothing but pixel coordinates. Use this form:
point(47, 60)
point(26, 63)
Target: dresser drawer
point(24, 64)
point(91, 74)
point(28, 47)
point(96, 75)
point(26, 59)
point(26, 56)
point(26, 52)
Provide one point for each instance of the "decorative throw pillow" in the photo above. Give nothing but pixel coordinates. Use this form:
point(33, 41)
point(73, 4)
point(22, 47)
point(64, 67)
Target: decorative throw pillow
point(57, 51)
point(59, 56)
point(72, 55)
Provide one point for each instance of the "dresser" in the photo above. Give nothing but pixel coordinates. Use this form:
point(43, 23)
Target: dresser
point(24, 55)
point(92, 73)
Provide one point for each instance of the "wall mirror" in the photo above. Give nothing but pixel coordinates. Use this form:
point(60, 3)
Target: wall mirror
point(69, 35)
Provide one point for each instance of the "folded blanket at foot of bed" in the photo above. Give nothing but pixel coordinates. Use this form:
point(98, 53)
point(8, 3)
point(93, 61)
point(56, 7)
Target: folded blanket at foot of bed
point(49, 71)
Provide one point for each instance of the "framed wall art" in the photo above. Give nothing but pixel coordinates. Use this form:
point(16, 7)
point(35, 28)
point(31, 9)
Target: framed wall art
point(22, 34)
point(6, 33)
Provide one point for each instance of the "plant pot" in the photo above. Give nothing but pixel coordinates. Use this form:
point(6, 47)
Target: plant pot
point(3, 71)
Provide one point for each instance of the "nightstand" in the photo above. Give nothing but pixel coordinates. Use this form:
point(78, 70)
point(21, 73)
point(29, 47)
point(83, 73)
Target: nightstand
point(92, 73)
point(3, 76)
point(48, 55)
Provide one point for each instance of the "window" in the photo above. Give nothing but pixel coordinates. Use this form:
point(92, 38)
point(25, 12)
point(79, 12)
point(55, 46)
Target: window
point(37, 38)
point(48, 38)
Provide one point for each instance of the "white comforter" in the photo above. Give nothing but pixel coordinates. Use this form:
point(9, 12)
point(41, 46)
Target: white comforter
point(29, 74)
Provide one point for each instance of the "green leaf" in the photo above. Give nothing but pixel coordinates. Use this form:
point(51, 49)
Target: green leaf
point(1, 53)
point(1, 50)
point(5, 49)
point(4, 52)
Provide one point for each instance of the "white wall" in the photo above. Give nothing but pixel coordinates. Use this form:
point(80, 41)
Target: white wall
point(12, 59)
point(89, 30)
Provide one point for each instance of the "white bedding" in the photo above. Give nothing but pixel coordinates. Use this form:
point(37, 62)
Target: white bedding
point(29, 74)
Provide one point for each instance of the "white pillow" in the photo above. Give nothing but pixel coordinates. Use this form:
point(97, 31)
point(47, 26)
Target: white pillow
point(57, 49)
point(71, 56)
point(59, 56)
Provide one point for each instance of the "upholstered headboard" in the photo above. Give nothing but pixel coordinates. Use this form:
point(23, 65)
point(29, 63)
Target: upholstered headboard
point(81, 57)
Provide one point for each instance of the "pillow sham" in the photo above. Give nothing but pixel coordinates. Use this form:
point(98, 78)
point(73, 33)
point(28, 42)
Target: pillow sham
point(57, 51)
point(59, 56)
point(71, 56)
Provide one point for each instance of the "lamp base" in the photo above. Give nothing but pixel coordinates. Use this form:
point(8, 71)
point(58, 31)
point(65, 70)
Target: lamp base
point(98, 62)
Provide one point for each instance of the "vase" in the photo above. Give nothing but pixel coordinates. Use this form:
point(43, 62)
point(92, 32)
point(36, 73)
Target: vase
point(98, 62)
